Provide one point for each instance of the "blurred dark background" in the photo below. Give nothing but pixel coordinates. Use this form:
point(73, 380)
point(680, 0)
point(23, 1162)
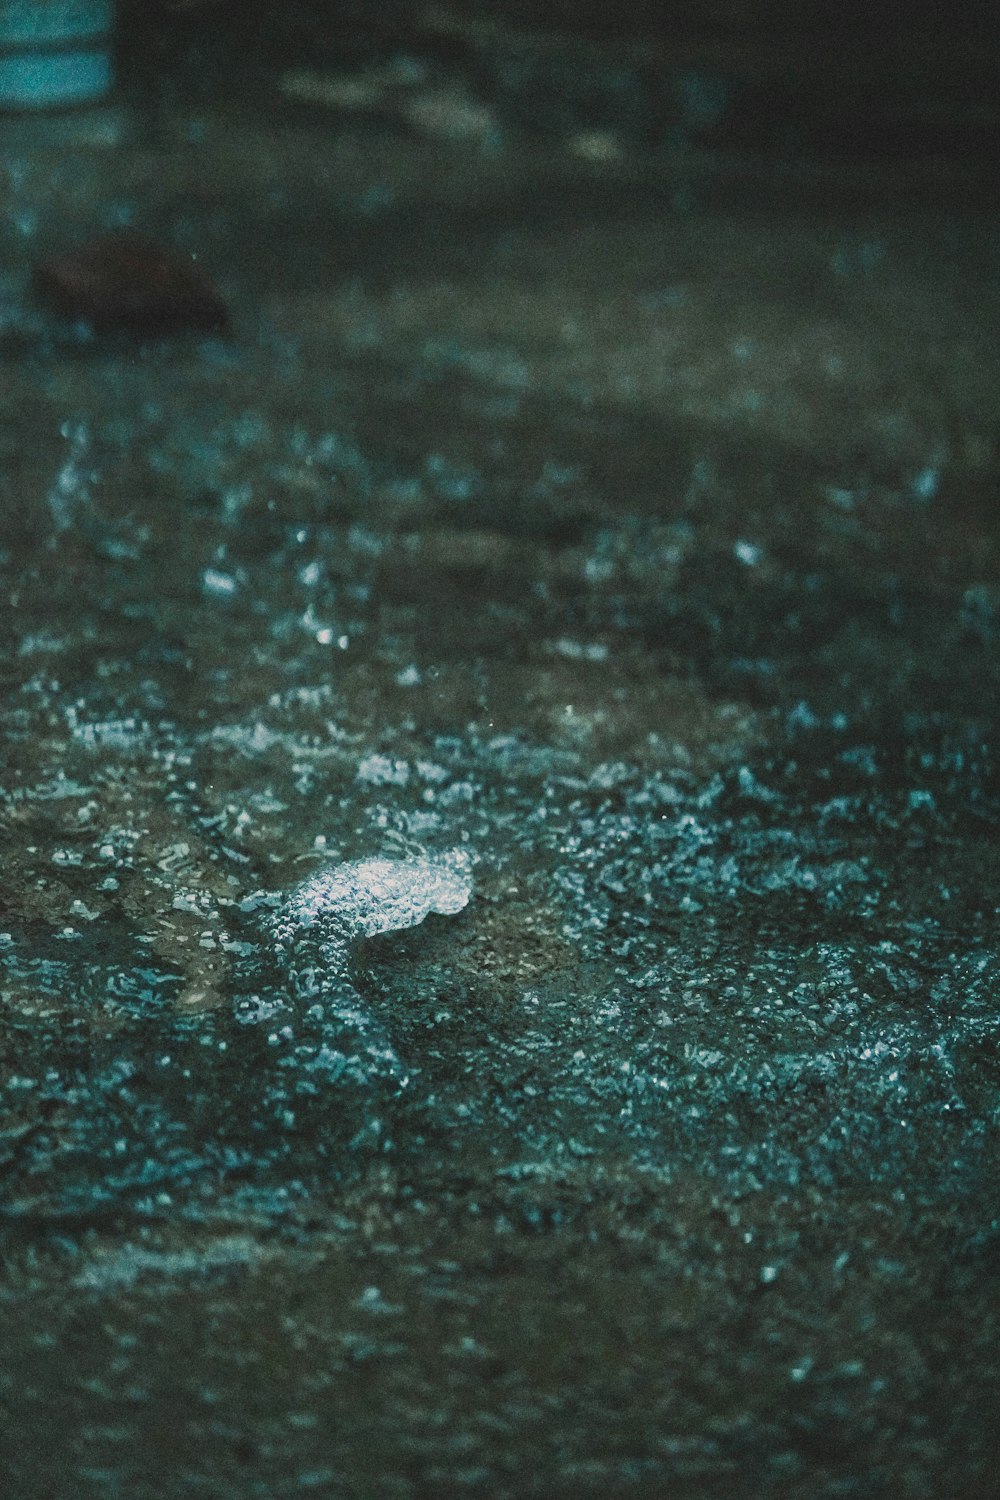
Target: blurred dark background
point(882, 78)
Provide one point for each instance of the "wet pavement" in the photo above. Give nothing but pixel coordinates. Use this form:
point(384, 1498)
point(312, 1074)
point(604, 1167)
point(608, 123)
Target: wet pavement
point(614, 531)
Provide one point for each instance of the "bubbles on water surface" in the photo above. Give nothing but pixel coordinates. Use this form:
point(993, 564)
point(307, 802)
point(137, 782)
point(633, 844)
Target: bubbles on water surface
point(365, 897)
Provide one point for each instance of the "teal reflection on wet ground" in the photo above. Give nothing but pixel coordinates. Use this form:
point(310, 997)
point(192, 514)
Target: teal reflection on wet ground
point(625, 714)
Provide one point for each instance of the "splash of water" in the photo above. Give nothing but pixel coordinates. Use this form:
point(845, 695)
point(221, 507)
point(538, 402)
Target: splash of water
point(362, 898)
point(69, 494)
point(315, 932)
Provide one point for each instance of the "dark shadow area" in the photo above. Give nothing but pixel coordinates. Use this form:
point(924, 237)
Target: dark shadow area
point(864, 81)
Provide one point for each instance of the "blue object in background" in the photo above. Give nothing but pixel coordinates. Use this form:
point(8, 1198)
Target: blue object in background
point(54, 53)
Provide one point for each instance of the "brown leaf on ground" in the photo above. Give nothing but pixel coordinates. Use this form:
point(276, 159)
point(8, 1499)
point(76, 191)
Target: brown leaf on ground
point(123, 281)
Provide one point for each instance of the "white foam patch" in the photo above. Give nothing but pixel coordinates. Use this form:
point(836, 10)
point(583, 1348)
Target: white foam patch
point(364, 897)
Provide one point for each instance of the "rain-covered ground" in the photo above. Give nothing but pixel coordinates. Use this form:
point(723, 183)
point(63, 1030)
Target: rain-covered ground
point(612, 533)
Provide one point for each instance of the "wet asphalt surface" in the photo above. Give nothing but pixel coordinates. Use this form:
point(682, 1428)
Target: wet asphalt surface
point(626, 521)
